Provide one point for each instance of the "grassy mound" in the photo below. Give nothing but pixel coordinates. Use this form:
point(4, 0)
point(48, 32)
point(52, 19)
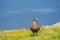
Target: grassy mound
point(52, 33)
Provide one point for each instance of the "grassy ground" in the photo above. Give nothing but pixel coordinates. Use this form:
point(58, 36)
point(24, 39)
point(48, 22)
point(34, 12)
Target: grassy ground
point(43, 34)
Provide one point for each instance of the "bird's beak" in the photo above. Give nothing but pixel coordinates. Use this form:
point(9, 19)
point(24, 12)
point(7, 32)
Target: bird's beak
point(36, 19)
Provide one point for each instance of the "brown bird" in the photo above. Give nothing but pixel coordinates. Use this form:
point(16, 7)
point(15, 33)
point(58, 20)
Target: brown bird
point(34, 28)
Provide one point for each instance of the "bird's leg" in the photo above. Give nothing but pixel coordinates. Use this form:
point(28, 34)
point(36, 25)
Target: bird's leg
point(36, 34)
point(33, 33)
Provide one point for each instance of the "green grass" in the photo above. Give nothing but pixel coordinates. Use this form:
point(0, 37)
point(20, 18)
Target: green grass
point(43, 34)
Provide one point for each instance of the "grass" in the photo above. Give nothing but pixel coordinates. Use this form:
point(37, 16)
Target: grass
point(52, 33)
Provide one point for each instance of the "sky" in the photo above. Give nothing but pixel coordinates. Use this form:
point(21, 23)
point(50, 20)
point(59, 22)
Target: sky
point(18, 14)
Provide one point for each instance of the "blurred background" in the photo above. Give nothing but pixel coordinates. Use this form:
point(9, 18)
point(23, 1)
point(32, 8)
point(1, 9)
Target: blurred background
point(18, 14)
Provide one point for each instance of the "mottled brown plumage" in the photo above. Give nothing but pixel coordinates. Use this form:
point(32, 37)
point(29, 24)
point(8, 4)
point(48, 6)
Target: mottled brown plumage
point(34, 28)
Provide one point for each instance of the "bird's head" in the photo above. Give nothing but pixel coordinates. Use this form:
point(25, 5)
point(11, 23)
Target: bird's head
point(35, 19)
